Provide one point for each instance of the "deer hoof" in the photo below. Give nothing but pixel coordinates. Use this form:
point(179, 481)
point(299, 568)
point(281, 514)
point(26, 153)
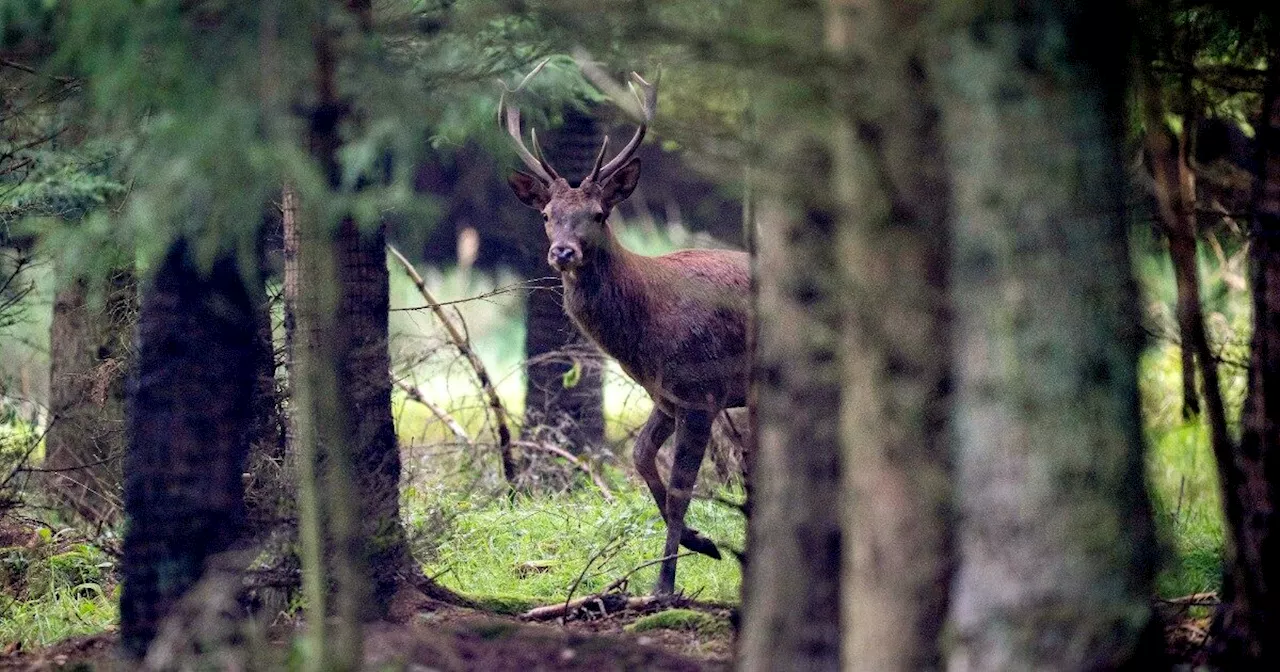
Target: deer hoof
point(694, 541)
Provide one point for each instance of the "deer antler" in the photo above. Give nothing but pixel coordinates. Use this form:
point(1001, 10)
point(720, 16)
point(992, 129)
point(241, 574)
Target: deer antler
point(647, 95)
point(511, 116)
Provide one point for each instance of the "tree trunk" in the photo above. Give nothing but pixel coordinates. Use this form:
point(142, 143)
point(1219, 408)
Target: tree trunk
point(365, 368)
point(1055, 545)
point(187, 439)
point(1247, 629)
point(89, 353)
point(571, 416)
point(791, 607)
point(891, 180)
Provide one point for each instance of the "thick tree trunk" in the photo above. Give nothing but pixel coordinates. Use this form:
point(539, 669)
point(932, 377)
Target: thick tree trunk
point(187, 439)
point(89, 353)
point(890, 176)
point(570, 416)
point(1247, 630)
point(1055, 546)
point(791, 606)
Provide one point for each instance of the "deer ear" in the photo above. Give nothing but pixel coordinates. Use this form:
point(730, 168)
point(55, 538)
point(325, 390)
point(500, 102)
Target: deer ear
point(621, 183)
point(529, 189)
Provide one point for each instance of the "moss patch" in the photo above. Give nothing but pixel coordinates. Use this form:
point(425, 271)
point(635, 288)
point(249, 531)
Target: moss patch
point(510, 605)
point(681, 619)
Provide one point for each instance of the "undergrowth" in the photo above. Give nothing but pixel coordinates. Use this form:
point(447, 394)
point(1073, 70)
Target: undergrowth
point(53, 588)
point(534, 550)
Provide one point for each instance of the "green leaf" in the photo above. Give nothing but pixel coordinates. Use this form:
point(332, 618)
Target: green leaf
point(571, 377)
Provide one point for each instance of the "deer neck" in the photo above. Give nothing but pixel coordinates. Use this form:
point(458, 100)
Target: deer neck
point(606, 297)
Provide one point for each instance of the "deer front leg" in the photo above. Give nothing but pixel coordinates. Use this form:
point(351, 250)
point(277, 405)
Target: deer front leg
point(649, 441)
point(693, 430)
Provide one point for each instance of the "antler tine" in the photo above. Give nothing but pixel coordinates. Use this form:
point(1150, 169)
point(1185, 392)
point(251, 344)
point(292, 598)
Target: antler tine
point(540, 155)
point(540, 168)
point(648, 105)
point(595, 170)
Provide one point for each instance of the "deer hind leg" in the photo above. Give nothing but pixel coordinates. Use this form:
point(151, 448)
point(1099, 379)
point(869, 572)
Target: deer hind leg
point(693, 430)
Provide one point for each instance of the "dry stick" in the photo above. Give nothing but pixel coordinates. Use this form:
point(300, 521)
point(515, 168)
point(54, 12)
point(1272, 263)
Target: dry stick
point(1208, 599)
point(572, 459)
point(464, 346)
point(648, 563)
point(416, 395)
point(611, 548)
point(565, 608)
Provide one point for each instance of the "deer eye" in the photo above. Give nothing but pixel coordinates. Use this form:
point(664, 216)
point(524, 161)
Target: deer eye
point(546, 217)
point(598, 217)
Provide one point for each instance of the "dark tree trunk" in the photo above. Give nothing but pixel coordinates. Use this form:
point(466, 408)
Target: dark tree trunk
point(365, 369)
point(187, 439)
point(570, 416)
point(90, 349)
point(1247, 630)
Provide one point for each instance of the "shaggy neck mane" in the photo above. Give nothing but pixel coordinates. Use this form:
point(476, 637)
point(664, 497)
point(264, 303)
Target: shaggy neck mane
point(609, 297)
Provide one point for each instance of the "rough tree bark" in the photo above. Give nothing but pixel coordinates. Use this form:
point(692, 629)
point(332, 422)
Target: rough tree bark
point(891, 180)
point(187, 415)
point(571, 416)
point(89, 350)
point(365, 368)
point(1054, 538)
point(791, 607)
point(1247, 629)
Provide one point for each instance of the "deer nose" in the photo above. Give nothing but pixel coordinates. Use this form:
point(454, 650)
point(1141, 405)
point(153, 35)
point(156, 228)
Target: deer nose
point(563, 255)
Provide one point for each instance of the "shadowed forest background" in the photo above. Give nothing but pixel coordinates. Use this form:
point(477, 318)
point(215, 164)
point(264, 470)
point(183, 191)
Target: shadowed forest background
point(286, 380)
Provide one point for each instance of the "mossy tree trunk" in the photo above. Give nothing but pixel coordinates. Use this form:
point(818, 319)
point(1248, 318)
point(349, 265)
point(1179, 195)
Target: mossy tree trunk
point(890, 176)
point(1054, 537)
point(791, 582)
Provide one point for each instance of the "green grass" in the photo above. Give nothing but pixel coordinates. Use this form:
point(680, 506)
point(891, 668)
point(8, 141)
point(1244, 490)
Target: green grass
point(1182, 478)
point(54, 589)
point(485, 549)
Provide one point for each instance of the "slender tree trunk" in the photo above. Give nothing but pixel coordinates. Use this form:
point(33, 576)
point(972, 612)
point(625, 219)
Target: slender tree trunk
point(366, 392)
point(1176, 203)
point(90, 348)
point(791, 605)
point(1055, 540)
point(319, 429)
point(891, 180)
point(568, 415)
point(187, 439)
point(1247, 630)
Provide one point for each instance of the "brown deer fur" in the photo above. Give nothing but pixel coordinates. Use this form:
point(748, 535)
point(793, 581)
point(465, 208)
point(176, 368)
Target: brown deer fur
point(676, 323)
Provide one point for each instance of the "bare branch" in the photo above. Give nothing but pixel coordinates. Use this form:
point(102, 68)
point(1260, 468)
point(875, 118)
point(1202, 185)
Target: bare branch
point(482, 374)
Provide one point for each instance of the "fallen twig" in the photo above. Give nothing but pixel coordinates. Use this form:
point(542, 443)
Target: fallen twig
point(1209, 599)
point(563, 609)
point(620, 602)
point(648, 563)
point(575, 461)
point(464, 346)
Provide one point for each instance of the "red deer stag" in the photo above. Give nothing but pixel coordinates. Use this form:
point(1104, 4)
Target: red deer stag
point(676, 323)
